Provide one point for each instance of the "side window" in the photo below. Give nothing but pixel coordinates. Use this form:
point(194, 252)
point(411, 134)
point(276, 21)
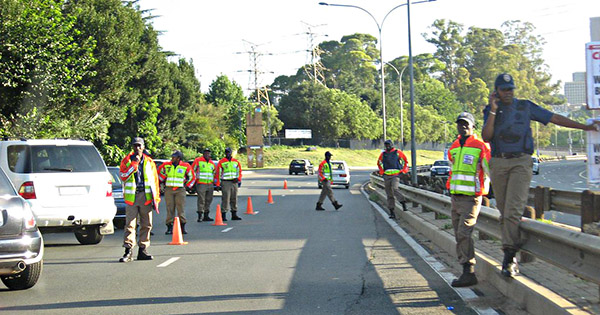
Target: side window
point(19, 159)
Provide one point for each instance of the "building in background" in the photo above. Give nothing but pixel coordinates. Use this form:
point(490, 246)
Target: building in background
point(575, 91)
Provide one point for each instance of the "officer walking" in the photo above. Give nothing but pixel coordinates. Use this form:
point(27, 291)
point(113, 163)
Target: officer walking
point(176, 174)
point(392, 162)
point(468, 182)
point(229, 178)
point(325, 177)
point(205, 170)
point(142, 194)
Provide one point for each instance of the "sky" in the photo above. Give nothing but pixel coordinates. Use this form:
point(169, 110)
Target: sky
point(218, 35)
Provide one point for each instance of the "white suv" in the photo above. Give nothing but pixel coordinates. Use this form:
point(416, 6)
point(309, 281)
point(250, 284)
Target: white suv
point(66, 183)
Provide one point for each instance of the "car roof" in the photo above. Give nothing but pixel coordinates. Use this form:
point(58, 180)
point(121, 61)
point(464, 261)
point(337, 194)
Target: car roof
point(48, 142)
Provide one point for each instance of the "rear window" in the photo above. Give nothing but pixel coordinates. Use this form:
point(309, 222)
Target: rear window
point(441, 163)
point(116, 180)
point(298, 162)
point(6, 188)
point(337, 166)
point(54, 158)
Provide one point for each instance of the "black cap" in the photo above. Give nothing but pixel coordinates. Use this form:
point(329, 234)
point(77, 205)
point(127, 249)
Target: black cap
point(227, 150)
point(388, 141)
point(178, 154)
point(206, 150)
point(137, 140)
point(466, 117)
point(504, 81)
point(328, 153)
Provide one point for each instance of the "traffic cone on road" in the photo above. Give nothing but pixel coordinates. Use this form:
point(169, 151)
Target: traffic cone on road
point(285, 184)
point(177, 236)
point(218, 217)
point(270, 199)
point(249, 209)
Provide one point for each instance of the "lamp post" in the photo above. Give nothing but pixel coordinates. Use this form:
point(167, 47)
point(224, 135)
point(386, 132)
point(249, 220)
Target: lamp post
point(399, 73)
point(379, 27)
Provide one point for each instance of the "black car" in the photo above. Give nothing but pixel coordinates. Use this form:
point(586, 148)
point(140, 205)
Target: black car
point(117, 188)
point(301, 166)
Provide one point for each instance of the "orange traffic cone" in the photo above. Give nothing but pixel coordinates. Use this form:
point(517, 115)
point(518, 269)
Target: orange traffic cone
point(218, 217)
point(177, 237)
point(249, 209)
point(285, 184)
point(270, 199)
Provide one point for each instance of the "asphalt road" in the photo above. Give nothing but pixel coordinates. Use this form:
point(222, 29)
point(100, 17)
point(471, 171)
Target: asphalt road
point(287, 259)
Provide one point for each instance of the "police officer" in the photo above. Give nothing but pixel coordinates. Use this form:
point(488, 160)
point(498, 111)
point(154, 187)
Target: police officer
point(176, 174)
point(392, 162)
point(325, 177)
point(142, 194)
point(507, 127)
point(229, 178)
point(205, 170)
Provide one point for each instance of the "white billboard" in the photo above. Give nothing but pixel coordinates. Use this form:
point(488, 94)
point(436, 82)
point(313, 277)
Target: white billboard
point(298, 134)
point(593, 155)
point(592, 57)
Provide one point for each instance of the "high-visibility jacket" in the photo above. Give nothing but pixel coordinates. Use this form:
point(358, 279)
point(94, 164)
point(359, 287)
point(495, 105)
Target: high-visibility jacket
point(392, 162)
point(470, 169)
point(204, 171)
point(228, 170)
point(325, 171)
point(127, 172)
point(176, 176)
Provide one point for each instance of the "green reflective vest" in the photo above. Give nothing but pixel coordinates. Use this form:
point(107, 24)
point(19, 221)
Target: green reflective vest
point(205, 172)
point(469, 175)
point(175, 175)
point(130, 186)
point(229, 170)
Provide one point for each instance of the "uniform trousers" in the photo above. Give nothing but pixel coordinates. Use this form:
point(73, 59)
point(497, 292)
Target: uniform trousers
point(229, 189)
point(175, 200)
point(326, 191)
point(132, 212)
point(205, 197)
point(392, 190)
point(510, 181)
point(465, 210)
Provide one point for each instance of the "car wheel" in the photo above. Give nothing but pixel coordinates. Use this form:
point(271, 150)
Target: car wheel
point(24, 279)
point(347, 186)
point(320, 186)
point(306, 172)
point(88, 235)
point(119, 224)
point(290, 172)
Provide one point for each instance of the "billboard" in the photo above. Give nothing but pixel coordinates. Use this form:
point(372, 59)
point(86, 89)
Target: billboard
point(593, 155)
point(298, 134)
point(592, 57)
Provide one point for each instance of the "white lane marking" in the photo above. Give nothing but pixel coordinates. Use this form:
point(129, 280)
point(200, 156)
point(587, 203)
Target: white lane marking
point(465, 293)
point(168, 262)
point(227, 230)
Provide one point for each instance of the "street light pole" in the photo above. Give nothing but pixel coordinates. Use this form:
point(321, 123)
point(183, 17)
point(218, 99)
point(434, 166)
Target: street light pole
point(413, 143)
point(401, 106)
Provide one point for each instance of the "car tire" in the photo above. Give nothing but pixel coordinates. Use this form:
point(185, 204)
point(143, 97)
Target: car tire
point(119, 224)
point(347, 186)
point(306, 172)
point(24, 279)
point(89, 235)
point(320, 186)
point(290, 172)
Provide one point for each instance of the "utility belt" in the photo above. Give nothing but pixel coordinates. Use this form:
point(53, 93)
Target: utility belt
point(509, 155)
point(140, 189)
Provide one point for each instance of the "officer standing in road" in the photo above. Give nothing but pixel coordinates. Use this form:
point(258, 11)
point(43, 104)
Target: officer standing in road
point(142, 194)
point(468, 182)
point(229, 178)
point(392, 162)
point(205, 170)
point(176, 174)
point(507, 127)
point(325, 177)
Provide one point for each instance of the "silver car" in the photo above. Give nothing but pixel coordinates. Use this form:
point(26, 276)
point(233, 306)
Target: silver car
point(340, 174)
point(21, 244)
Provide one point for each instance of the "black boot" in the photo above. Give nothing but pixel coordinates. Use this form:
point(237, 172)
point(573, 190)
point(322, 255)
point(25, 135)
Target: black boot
point(199, 217)
point(207, 218)
point(336, 205)
point(510, 268)
point(183, 231)
point(392, 214)
point(169, 229)
point(467, 278)
point(128, 256)
point(143, 255)
point(319, 206)
point(234, 215)
point(224, 216)
point(403, 205)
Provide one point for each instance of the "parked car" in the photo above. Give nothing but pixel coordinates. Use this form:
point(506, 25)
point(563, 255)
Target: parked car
point(440, 168)
point(21, 244)
point(340, 174)
point(65, 182)
point(301, 166)
point(536, 165)
point(117, 187)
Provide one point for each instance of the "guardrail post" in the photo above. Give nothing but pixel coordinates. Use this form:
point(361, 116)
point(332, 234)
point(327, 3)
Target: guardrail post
point(541, 201)
point(529, 212)
point(485, 202)
point(590, 208)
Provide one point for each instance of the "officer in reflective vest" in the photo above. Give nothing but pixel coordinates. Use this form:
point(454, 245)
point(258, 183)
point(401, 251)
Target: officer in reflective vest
point(392, 162)
point(176, 174)
point(142, 194)
point(468, 182)
point(229, 178)
point(205, 170)
point(325, 177)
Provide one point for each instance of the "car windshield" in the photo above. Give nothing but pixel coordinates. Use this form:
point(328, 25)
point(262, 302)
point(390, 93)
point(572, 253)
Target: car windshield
point(54, 159)
point(116, 180)
point(298, 162)
point(441, 163)
point(6, 188)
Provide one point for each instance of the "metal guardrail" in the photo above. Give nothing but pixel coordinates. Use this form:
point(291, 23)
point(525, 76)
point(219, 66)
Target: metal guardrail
point(569, 249)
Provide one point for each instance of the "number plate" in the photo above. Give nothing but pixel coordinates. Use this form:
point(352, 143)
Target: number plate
point(72, 191)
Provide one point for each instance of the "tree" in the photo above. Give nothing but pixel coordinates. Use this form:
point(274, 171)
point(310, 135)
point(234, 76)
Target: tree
point(229, 98)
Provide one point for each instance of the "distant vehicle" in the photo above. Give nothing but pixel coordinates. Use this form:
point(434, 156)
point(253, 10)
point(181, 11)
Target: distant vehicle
point(158, 163)
point(301, 166)
point(340, 174)
point(117, 187)
point(65, 182)
point(21, 244)
point(440, 168)
point(536, 165)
